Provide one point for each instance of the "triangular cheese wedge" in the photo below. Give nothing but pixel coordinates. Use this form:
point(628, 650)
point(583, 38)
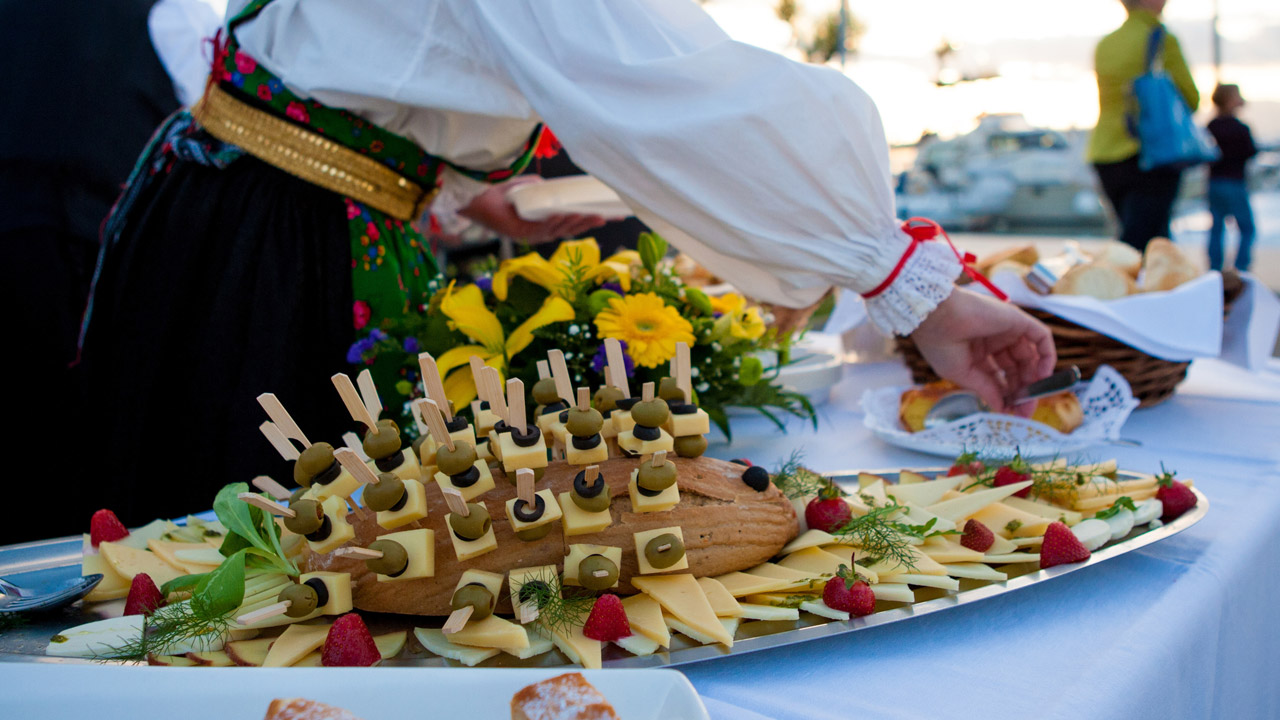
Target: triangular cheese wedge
point(814, 562)
point(295, 643)
point(1008, 522)
point(975, 571)
point(638, 645)
point(644, 614)
point(491, 632)
point(724, 604)
point(924, 494)
point(771, 613)
point(580, 648)
point(959, 508)
point(923, 565)
point(947, 550)
point(1044, 510)
point(434, 641)
point(681, 596)
point(795, 579)
point(730, 627)
point(1000, 546)
point(166, 550)
point(894, 592)
point(807, 539)
point(941, 582)
point(740, 584)
point(127, 562)
point(781, 600)
point(538, 644)
point(390, 644)
point(916, 515)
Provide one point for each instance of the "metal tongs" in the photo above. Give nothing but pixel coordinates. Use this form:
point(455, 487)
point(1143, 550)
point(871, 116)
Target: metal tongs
point(963, 403)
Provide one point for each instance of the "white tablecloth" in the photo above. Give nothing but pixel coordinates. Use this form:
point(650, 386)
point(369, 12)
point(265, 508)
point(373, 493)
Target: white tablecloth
point(1184, 628)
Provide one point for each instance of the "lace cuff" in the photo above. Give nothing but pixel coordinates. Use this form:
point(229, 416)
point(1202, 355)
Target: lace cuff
point(456, 193)
point(925, 280)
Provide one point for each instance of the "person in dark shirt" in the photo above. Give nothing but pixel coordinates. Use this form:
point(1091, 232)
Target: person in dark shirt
point(1228, 193)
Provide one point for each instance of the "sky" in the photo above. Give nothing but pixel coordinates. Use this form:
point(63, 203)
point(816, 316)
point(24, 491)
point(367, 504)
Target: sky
point(1041, 51)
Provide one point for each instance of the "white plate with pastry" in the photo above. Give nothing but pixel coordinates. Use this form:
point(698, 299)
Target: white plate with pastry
point(78, 691)
point(577, 194)
point(1061, 424)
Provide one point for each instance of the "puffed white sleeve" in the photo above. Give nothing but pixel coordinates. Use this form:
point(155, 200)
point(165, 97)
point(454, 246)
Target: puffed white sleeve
point(772, 172)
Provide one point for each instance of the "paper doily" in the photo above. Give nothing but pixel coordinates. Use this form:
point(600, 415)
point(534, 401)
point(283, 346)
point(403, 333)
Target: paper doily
point(1106, 401)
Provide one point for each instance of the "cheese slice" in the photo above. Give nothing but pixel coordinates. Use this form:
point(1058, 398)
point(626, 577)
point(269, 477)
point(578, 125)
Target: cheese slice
point(740, 584)
point(926, 493)
point(999, 545)
point(492, 632)
point(435, 641)
point(817, 607)
point(638, 645)
point(808, 539)
point(923, 564)
point(782, 599)
point(390, 644)
point(577, 521)
point(906, 477)
point(578, 647)
point(1008, 522)
point(682, 597)
point(517, 577)
point(127, 562)
point(294, 644)
point(797, 579)
point(959, 508)
point(420, 550)
point(313, 659)
point(946, 550)
point(872, 486)
point(941, 582)
point(1028, 541)
point(752, 611)
point(730, 626)
point(1044, 510)
point(1009, 558)
point(975, 571)
point(916, 515)
point(538, 644)
point(645, 617)
point(893, 592)
point(113, 585)
point(721, 601)
point(166, 550)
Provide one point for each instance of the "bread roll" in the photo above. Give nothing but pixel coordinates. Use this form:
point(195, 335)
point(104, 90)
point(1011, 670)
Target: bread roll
point(1012, 266)
point(563, 697)
point(1165, 267)
point(916, 402)
point(1023, 254)
point(303, 709)
point(1099, 281)
point(1062, 412)
point(1119, 256)
point(727, 526)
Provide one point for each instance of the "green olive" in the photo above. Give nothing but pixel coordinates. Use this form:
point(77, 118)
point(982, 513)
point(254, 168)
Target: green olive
point(537, 475)
point(475, 595)
point(394, 558)
point(584, 423)
point(534, 533)
point(419, 442)
point(650, 414)
point(598, 503)
point(661, 559)
point(455, 461)
point(691, 446)
point(297, 495)
point(302, 600)
point(544, 391)
point(313, 461)
point(384, 494)
point(474, 525)
point(383, 441)
point(669, 390)
point(656, 478)
point(606, 398)
point(307, 517)
point(592, 564)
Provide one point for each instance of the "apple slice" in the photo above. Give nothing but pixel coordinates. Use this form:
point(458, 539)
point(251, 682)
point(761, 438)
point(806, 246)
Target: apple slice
point(212, 658)
point(170, 660)
point(390, 644)
point(249, 653)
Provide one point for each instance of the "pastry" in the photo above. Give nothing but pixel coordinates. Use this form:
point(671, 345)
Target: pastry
point(1165, 267)
point(727, 525)
point(1026, 255)
point(1103, 282)
point(1120, 256)
point(303, 709)
point(563, 697)
point(1062, 412)
point(916, 402)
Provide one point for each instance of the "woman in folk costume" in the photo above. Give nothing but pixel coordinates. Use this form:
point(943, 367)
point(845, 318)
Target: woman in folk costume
point(235, 256)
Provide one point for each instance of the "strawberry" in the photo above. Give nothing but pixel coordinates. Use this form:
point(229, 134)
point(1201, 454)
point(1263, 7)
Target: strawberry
point(144, 596)
point(104, 526)
point(847, 592)
point(1061, 546)
point(349, 644)
point(1176, 497)
point(608, 620)
point(977, 536)
point(967, 464)
point(1015, 471)
point(827, 512)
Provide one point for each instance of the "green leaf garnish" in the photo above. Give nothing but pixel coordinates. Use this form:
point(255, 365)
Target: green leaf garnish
point(1124, 502)
point(795, 481)
point(880, 537)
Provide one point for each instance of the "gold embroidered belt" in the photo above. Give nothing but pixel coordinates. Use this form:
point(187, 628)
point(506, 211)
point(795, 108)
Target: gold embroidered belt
point(310, 155)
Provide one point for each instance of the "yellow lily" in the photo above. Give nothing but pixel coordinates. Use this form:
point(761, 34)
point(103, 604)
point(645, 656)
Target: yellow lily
point(745, 323)
point(551, 274)
point(468, 315)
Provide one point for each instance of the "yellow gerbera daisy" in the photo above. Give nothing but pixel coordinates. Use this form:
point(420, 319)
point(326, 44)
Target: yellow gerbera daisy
point(745, 323)
point(649, 326)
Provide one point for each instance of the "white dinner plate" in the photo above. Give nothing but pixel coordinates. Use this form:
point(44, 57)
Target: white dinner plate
point(49, 691)
point(576, 194)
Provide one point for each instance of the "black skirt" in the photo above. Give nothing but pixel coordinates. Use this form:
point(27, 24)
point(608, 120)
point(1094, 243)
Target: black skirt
point(225, 284)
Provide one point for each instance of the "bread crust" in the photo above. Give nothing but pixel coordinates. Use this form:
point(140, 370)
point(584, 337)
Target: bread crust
point(727, 526)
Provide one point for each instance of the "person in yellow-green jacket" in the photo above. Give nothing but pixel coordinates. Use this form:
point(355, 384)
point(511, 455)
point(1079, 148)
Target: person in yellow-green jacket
point(1142, 200)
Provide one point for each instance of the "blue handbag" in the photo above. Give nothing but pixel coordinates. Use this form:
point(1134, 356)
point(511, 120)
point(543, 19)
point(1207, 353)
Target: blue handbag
point(1166, 132)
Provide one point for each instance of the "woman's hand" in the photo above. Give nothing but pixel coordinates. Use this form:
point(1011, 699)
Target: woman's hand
point(988, 346)
point(492, 209)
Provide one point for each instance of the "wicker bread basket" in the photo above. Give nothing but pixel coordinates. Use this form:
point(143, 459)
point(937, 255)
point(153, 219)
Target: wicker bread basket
point(1153, 380)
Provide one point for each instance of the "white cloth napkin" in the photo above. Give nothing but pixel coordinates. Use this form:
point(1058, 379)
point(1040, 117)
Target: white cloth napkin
point(1249, 334)
point(1176, 325)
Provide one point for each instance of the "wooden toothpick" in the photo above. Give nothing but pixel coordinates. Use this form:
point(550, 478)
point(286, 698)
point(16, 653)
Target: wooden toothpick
point(272, 488)
point(354, 465)
point(544, 371)
point(560, 373)
point(613, 351)
point(359, 411)
point(457, 619)
point(270, 506)
point(659, 458)
point(524, 487)
point(515, 405)
point(369, 393)
point(684, 372)
point(526, 612)
point(453, 498)
point(664, 547)
point(357, 552)
point(584, 399)
point(282, 419)
point(269, 611)
point(497, 399)
point(646, 392)
point(434, 386)
point(477, 378)
point(278, 441)
point(352, 441)
point(431, 415)
point(591, 473)
point(600, 573)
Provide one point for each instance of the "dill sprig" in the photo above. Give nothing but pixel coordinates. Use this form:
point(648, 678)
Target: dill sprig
point(795, 480)
point(880, 536)
point(168, 626)
point(560, 608)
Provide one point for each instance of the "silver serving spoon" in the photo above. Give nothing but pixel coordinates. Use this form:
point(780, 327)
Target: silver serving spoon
point(963, 403)
point(14, 598)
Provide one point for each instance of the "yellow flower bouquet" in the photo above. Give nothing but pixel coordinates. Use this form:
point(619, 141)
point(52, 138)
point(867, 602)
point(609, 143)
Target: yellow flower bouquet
point(573, 301)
